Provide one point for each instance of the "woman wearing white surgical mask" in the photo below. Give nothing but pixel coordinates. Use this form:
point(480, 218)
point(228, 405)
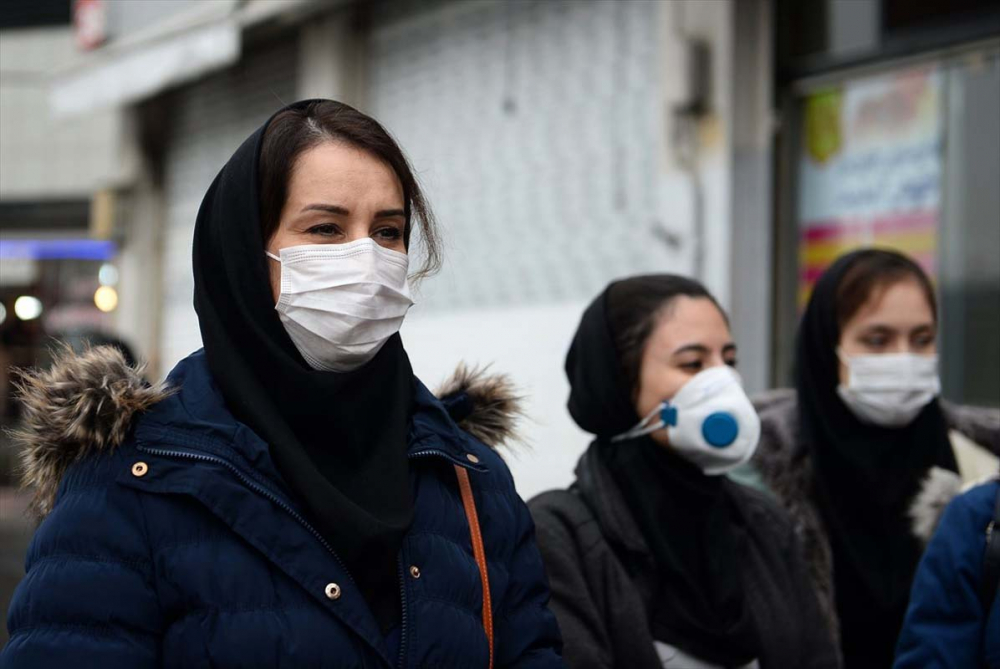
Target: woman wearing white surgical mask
point(860, 452)
point(293, 496)
point(656, 558)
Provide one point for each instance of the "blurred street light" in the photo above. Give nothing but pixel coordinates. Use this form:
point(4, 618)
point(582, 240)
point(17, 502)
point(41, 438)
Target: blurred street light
point(106, 298)
point(27, 307)
point(108, 275)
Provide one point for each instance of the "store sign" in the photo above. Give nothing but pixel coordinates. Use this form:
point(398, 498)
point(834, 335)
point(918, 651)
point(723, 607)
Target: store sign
point(90, 23)
point(870, 170)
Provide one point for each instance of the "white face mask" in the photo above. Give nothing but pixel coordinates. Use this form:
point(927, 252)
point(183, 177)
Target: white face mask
point(889, 389)
point(340, 303)
point(710, 421)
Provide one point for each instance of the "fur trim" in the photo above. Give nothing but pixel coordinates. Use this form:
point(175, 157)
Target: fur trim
point(85, 403)
point(82, 404)
point(493, 406)
point(939, 488)
point(980, 425)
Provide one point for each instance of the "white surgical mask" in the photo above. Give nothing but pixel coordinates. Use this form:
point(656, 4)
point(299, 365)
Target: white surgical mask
point(889, 389)
point(710, 421)
point(340, 303)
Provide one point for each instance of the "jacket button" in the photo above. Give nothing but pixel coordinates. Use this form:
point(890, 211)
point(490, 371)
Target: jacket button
point(415, 571)
point(472, 458)
point(332, 591)
point(140, 469)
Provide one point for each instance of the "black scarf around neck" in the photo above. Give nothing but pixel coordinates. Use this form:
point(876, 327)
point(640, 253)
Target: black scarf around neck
point(865, 477)
point(339, 440)
point(695, 536)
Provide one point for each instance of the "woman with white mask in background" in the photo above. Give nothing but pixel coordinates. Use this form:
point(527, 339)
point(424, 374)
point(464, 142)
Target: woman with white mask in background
point(294, 496)
point(656, 558)
point(860, 452)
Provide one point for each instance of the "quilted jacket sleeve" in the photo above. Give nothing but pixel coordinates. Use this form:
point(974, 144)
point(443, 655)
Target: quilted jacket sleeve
point(525, 630)
point(87, 599)
point(945, 624)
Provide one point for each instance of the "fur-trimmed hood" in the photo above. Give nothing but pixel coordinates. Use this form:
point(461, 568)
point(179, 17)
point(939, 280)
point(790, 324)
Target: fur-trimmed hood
point(86, 404)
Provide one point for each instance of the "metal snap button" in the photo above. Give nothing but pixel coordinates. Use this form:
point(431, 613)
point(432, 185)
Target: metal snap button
point(140, 469)
point(332, 591)
point(415, 571)
point(472, 458)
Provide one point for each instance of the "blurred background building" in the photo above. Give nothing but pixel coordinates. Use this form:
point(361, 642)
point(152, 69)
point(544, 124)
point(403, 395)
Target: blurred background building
point(563, 143)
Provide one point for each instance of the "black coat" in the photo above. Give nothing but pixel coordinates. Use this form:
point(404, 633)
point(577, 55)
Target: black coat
point(602, 576)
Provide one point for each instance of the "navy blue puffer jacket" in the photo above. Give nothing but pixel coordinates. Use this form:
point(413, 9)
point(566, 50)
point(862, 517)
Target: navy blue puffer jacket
point(947, 626)
point(170, 540)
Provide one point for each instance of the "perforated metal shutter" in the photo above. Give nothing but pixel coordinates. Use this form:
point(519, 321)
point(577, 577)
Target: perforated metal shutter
point(536, 129)
point(208, 122)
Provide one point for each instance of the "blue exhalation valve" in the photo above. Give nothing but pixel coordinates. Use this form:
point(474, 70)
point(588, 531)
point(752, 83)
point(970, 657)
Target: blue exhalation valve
point(668, 415)
point(720, 429)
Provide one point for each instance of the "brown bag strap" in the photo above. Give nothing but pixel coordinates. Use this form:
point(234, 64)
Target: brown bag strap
point(478, 551)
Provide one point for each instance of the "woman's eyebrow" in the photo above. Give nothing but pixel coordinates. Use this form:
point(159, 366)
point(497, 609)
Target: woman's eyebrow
point(691, 348)
point(329, 208)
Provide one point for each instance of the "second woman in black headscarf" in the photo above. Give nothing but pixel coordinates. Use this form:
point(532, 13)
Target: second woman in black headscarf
point(655, 562)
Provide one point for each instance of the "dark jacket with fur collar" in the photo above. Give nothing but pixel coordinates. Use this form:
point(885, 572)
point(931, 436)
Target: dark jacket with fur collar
point(784, 464)
point(170, 540)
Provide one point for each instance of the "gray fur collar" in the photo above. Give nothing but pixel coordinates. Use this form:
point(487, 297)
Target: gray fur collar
point(781, 457)
point(85, 403)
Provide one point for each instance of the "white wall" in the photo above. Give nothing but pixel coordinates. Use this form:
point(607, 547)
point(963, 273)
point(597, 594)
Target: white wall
point(529, 344)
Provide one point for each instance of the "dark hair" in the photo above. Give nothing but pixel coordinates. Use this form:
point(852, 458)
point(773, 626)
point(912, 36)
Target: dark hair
point(294, 131)
point(874, 270)
point(635, 306)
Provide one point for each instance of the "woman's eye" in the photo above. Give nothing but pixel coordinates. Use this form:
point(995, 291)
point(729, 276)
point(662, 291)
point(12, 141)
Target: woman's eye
point(875, 342)
point(324, 230)
point(732, 363)
point(923, 341)
point(694, 366)
point(390, 234)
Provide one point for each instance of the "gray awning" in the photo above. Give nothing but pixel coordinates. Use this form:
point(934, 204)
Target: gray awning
point(129, 75)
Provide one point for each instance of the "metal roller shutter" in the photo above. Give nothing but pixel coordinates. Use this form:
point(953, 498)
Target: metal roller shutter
point(536, 130)
point(208, 121)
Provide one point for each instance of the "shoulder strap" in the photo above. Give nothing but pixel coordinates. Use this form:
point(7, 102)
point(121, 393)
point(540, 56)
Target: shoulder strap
point(479, 552)
point(991, 561)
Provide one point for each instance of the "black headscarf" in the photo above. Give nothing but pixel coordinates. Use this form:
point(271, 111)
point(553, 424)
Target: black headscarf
point(686, 518)
point(339, 439)
point(865, 478)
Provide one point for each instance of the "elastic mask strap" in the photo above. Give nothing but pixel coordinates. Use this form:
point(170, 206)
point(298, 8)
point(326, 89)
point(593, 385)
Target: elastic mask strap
point(639, 430)
point(272, 256)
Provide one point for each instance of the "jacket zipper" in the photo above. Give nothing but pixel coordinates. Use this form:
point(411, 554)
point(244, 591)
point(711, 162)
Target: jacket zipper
point(402, 600)
point(442, 454)
point(261, 490)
